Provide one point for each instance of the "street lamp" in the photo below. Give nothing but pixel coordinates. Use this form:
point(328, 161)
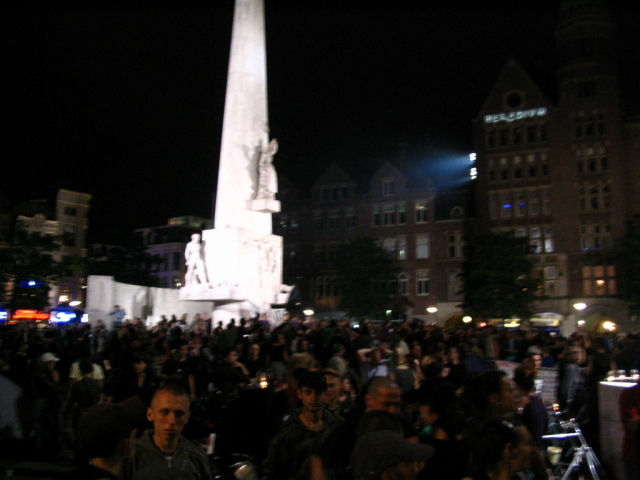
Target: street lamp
point(431, 311)
point(466, 319)
point(580, 306)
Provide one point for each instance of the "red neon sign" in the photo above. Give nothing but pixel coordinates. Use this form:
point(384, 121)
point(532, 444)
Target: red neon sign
point(30, 315)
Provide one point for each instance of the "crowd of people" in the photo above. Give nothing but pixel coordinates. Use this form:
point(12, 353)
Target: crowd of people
point(308, 399)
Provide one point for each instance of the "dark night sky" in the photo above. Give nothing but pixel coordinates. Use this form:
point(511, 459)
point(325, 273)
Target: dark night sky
point(125, 102)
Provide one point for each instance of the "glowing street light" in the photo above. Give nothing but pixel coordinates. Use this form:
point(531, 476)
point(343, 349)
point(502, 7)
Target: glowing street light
point(466, 319)
point(308, 312)
point(432, 310)
point(580, 306)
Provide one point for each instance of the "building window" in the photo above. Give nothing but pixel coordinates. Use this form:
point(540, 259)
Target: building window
point(69, 236)
point(376, 217)
point(388, 215)
point(422, 282)
point(402, 214)
point(599, 280)
point(333, 222)
point(550, 288)
point(403, 284)
point(596, 237)
point(350, 218)
point(506, 210)
point(318, 220)
point(493, 209)
point(422, 246)
point(550, 272)
point(536, 246)
point(387, 187)
point(455, 245)
point(389, 245)
point(520, 205)
point(491, 138)
point(318, 254)
point(401, 243)
point(422, 212)
point(332, 253)
point(503, 137)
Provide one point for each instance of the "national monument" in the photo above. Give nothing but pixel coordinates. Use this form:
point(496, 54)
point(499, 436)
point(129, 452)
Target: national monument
point(238, 263)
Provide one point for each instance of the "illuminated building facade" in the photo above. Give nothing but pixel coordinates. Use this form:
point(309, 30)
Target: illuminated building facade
point(565, 173)
point(398, 207)
point(66, 216)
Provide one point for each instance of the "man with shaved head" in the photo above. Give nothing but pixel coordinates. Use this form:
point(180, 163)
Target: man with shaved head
point(382, 408)
point(163, 452)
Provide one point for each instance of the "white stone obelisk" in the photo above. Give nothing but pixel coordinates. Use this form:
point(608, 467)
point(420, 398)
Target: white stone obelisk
point(243, 260)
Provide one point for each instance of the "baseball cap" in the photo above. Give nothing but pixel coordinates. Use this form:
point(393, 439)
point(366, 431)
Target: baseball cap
point(377, 451)
point(49, 357)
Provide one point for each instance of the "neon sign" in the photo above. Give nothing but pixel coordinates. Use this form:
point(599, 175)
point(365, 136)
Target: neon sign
point(30, 315)
point(516, 115)
point(60, 317)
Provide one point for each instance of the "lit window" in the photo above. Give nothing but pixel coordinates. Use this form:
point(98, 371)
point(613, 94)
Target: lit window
point(401, 245)
point(422, 246)
point(422, 212)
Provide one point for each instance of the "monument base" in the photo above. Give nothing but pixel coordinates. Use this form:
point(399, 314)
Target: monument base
point(265, 205)
point(219, 293)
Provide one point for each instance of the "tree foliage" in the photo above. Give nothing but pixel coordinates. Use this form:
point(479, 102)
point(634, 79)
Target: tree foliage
point(367, 278)
point(29, 258)
point(628, 267)
point(126, 265)
point(497, 277)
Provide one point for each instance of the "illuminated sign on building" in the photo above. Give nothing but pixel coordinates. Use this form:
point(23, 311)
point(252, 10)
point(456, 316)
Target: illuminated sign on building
point(474, 171)
point(30, 315)
point(517, 115)
point(61, 317)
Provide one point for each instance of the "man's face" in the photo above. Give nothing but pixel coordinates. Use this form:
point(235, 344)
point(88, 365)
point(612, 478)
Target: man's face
point(311, 399)
point(386, 399)
point(334, 388)
point(508, 397)
point(537, 361)
point(254, 352)
point(169, 414)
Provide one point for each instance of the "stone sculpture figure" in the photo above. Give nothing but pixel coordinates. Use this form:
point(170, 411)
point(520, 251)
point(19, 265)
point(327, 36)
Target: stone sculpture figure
point(196, 268)
point(267, 178)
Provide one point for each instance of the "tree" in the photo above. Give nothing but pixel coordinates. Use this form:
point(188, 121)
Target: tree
point(497, 277)
point(628, 266)
point(367, 278)
point(126, 265)
point(27, 264)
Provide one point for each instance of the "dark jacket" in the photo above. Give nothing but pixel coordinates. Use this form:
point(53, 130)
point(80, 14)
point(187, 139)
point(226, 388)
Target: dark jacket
point(149, 463)
point(293, 444)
